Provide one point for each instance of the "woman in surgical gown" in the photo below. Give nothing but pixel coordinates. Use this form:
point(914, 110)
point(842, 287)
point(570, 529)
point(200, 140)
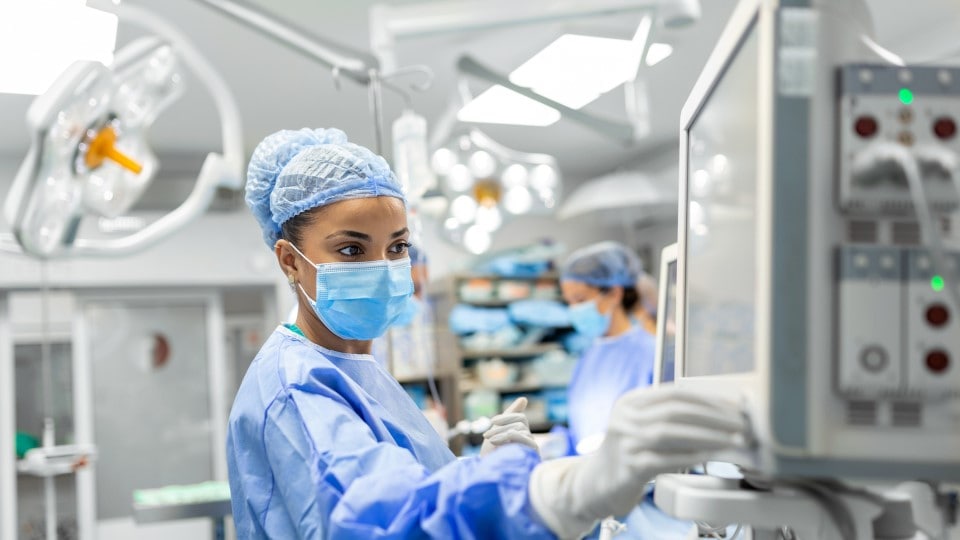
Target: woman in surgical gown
point(323, 443)
point(598, 283)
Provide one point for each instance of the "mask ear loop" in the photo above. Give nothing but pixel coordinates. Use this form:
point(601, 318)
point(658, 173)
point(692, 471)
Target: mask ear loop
point(292, 280)
point(603, 295)
point(300, 253)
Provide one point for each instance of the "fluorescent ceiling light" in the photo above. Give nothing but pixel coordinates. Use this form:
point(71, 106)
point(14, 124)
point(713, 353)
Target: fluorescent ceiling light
point(657, 53)
point(575, 70)
point(499, 105)
point(41, 38)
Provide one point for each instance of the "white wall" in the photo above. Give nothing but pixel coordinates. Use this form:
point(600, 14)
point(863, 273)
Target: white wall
point(222, 249)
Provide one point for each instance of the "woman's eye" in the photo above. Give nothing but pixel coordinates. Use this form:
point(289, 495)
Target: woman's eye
point(351, 251)
point(400, 248)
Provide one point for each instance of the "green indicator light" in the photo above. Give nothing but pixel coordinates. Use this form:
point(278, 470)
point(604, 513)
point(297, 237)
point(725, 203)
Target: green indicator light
point(906, 96)
point(936, 283)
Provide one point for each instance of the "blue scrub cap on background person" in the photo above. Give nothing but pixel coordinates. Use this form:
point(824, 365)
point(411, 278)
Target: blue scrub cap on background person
point(291, 172)
point(417, 256)
point(607, 264)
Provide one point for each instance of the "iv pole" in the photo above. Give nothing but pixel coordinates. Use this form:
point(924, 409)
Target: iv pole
point(361, 67)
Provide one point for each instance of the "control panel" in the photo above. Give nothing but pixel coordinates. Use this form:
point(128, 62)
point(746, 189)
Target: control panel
point(916, 107)
point(932, 336)
point(899, 334)
point(870, 328)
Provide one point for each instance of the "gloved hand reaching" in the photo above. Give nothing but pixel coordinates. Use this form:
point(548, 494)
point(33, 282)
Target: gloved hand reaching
point(651, 431)
point(509, 427)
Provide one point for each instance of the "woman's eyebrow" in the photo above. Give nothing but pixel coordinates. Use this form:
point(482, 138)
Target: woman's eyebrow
point(352, 234)
point(400, 233)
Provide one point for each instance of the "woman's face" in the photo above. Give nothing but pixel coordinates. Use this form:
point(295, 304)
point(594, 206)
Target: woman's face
point(577, 292)
point(355, 230)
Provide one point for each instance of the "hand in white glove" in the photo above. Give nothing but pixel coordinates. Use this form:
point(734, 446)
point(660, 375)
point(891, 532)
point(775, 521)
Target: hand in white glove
point(651, 431)
point(509, 427)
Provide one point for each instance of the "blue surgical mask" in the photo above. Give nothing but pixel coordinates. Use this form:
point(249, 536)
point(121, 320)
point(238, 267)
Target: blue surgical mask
point(360, 300)
point(587, 319)
point(411, 311)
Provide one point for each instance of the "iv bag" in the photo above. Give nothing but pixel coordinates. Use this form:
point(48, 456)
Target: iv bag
point(411, 161)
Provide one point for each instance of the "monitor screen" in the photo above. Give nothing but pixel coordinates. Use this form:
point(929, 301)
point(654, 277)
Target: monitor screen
point(721, 223)
point(669, 312)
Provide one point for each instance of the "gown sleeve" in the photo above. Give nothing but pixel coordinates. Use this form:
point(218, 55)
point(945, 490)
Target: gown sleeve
point(335, 480)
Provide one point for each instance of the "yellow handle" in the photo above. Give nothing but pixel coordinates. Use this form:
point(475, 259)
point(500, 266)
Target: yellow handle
point(102, 147)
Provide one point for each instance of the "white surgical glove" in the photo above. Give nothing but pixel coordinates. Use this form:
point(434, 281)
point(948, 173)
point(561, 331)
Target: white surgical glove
point(651, 431)
point(507, 428)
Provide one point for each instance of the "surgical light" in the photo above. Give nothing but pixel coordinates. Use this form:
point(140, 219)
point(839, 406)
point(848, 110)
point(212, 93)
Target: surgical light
point(482, 164)
point(544, 177)
point(575, 70)
point(459, 179)
point(464, 209)
point(89, 155)
point(90, 137)
point(518, 200)
point(514, 176)
point(44, 37)
point(499, 105)
point(489, 218)
point(443, 160)
point(121, 224)
point(658, 52)
point(489, 183)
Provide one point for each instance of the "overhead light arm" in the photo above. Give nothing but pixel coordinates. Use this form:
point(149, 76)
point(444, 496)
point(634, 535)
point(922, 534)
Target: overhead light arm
point(615, 130)
point(361, 67)
point(351, 63)
point(391, 23)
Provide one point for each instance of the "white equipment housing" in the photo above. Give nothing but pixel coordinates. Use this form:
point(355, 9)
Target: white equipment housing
point(807, 283)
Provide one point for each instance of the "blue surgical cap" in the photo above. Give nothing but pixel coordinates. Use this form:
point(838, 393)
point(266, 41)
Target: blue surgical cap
point(607, 264)
point(291, 172)
point(417, 255)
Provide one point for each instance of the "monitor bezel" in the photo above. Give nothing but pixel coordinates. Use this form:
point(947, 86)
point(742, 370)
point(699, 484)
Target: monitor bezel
point(745, 19)
point(668, 256)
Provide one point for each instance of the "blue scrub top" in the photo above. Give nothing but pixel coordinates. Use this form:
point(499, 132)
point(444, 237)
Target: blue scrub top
point(608, 369)
point(323, 444)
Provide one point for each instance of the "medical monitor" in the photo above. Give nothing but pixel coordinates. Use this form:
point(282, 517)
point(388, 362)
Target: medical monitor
point(805, 286)
point(664, 368)
point(721, 219)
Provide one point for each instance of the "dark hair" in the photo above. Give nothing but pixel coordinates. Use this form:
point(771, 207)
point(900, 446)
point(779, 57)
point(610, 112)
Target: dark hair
point(630, 297)
point(292, 229)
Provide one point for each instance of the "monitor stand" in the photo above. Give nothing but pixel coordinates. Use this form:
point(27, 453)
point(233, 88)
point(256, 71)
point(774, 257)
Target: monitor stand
point(806, 509)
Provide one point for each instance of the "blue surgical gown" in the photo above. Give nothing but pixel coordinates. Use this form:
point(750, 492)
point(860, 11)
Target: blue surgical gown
point(608, 369)
point(324, 444)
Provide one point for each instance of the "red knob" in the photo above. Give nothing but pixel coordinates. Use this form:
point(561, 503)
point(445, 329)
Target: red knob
point(938, 315)
point(866, 126)
point(938, 361)
point(944, 127)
